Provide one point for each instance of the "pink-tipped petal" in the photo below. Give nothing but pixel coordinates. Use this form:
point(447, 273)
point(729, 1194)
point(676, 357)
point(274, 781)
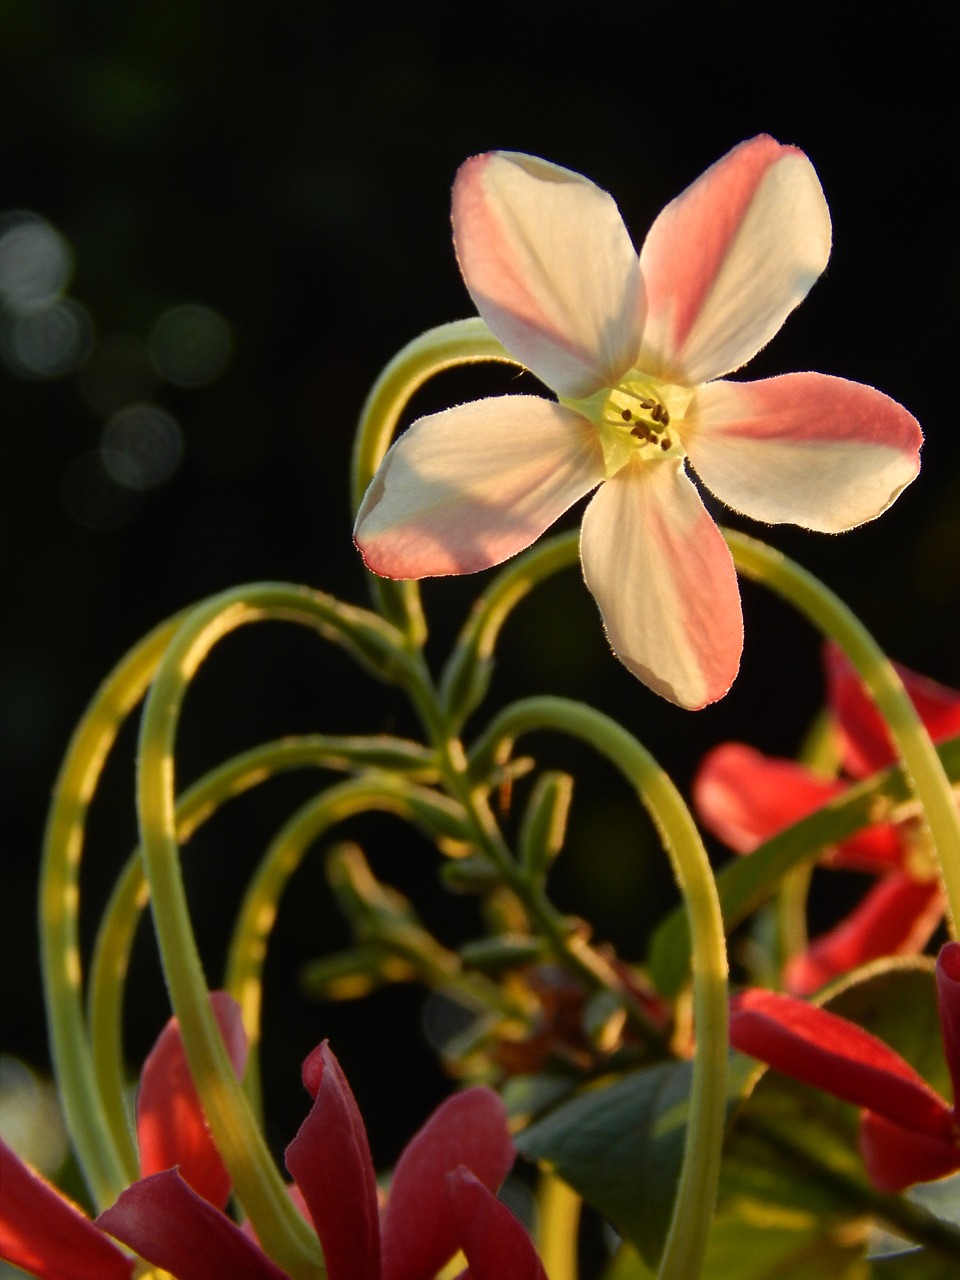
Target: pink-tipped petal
point(171, 1128)
point(838, 1057)
point(867, 746)
point(802, 449)
point(948, 996)
point(494, 1242)
point(418, 1230)
point(45, 1234)
point(330, 1161)
point(551, 268)
point(895, 918)
point(169, 1225)
point(896, 1158)
point(467, 488)
point(664, 580)
point(726, 262)
point(745, 797)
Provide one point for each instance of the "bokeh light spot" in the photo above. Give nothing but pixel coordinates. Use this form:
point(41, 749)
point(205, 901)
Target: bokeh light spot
point(46, 340)
point(190, 345)
point(141, 446)
point(30, 1119)
point(36, 262)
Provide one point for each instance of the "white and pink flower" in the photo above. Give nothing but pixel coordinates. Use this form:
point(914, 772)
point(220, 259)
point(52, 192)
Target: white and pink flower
point(635, 348)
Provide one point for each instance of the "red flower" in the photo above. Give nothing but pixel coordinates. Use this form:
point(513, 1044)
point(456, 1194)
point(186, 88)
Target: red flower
point(441, 1199)
point(908, 1133)
point(745, 797)
point(49, 1236)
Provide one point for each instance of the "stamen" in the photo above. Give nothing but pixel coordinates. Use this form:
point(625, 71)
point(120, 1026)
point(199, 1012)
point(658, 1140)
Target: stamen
point(665, 443)
point(656, 412)
point(665, 417)
point(626, 415)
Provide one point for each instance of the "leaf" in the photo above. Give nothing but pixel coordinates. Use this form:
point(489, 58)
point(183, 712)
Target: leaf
point(620, 1145)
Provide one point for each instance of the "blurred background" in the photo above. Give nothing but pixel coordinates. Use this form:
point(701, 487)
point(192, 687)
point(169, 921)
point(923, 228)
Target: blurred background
point(217, 224)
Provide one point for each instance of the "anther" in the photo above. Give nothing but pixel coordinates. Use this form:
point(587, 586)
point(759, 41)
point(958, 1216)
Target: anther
point(665, 443)
point(647, 404)
point(665, 417)
point(626, 415)
point(656, 412)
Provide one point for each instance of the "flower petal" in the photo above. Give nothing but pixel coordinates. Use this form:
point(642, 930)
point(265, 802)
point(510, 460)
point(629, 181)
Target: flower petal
point(745, 797)
point(166, 1222)
point(494, 1242)
point(896, 1158)
point(418, 1231)
point(803, 448)
point(551, 268)
point(46, 1234)
point(726, 262)
point(171, 1128)
point(836, 1056)
point(866, 743)
point(895, 918)
point(665, 583)
point(467, 488)
point(330, 1161)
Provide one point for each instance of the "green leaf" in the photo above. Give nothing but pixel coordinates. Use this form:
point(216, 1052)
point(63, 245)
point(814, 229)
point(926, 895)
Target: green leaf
point(620, 1145)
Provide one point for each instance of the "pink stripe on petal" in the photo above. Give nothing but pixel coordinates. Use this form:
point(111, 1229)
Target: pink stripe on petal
point(745, 797)
point(330, 1161)
point(727, 261)
point(169, 1225)
point(469, 487)
point(494, 1242)
point(664, 580)
point(44, 1233)
point(419, 1235)
point(895, 918)
point(896, 1158)
point(804, 449)
point(551, 268)
point(836, 1056)
point(171, 1128)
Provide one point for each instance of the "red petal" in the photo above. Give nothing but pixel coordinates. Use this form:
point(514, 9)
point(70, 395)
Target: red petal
point(838, 1057)
point(419, 1234)
point(867, 745)
point(496, 1245)
point(46, 1234)
point(171, 1127)
point(330, 1162)
point(895, 918)
point(173, 1227)
point(745, 797)
point(896, 1157)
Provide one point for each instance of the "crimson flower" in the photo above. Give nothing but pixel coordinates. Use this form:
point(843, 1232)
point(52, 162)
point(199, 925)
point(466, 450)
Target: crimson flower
point(745, 797)
point(908, 1133)
point(48, 1236)
point(441, 1199)
point(637, 348)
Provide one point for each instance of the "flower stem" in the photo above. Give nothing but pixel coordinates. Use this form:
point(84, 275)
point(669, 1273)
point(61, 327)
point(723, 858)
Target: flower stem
point(281, 1230)
point(106, 1167)
point(558, 1219)
point(449, 345)
point(920, 760)
point(697, 1189)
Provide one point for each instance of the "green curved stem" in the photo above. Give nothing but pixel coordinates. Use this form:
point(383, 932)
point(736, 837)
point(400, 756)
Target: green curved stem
point(464, 679)
point(697, 1189)
point(105, 1167)
point(131, 894)
point(460, 342)
point(920, 760)
point(258, 911)
point(281, 1230)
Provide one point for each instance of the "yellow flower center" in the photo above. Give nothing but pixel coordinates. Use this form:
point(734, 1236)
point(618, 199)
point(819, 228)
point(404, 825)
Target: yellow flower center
point(639, 419)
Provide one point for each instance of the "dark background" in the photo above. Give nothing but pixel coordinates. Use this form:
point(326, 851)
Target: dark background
point(288, 167)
